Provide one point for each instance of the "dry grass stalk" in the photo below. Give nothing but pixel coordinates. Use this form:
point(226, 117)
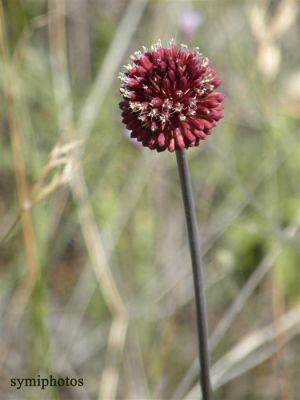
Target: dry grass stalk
point(253, 342)
point(246, 291)
point(268, 33)
point(20, 170)
point(89, 228)
point(61, 163)
point(278, 309)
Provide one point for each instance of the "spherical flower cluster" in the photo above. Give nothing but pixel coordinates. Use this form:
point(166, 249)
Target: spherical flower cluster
point(168, 97)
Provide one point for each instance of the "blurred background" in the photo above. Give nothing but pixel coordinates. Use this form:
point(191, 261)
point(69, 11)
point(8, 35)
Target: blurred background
point(95, 271)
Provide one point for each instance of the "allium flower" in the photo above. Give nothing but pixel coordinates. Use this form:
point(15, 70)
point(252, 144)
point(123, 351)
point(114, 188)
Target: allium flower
point(168, 97)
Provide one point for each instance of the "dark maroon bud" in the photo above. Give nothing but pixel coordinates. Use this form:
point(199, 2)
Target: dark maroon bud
point(209, 103)
point(133, 84)
point(152, 142)
point(149, 92)
point(186, 131)
point(141, 71)
point(216, 82)
point(166, 85)
point(171, 63)
point(172, 75)
point(216, 115)
point(162, 66)
point(171, 146)
point(203, 110)
point(161, 52)
point(200, 134)
point(156, 102)
point(182, 84)
point(146, 63)
point(197, 123)
point(207, 124)
point(179, 139)
point(161, 140)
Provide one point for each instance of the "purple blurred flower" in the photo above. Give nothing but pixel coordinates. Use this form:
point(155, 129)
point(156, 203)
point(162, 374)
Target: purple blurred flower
point(189, 21)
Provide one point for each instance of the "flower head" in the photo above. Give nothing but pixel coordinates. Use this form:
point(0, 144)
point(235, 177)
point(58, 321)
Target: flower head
point(168, 97)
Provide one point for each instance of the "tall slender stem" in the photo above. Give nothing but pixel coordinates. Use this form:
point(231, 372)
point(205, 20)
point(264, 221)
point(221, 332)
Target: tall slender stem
point(191, 221)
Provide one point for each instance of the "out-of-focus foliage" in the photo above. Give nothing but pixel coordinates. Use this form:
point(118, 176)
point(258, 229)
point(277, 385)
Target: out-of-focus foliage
point(59, 89)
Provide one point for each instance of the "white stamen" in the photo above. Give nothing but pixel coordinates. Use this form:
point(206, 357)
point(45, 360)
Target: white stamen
point(135, 106)
point(128, 67)
point(142, 118)
point(205, 62)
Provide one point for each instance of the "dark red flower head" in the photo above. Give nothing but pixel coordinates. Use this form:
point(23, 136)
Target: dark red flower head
point(168, 97)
